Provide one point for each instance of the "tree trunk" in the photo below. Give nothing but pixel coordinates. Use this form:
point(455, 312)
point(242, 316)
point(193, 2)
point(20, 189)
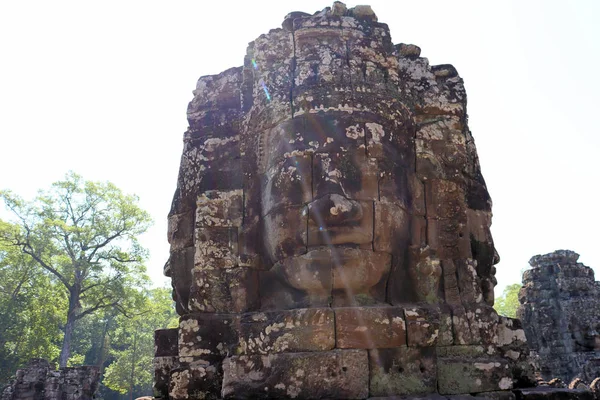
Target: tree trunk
point(65, 352)
point(133, 365)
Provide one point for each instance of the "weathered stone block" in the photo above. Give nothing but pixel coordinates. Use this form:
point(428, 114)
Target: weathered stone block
point(467, 375)
point(180, 230)
point(483, 323)
point(179, 267)
point(386, 136)
point(271, 50)
point(328, 110)
point(309, 329)
point(369, 327)
point(402, 371)
point(223, 290)
point(445, 200)
point(250, 245)
point(422, 326)
point(441, 149)
point(166, 342)
point(392, 227)
point(460, 326)
point(469, 282)
point(162, 374)
point(311, 73)
point(338, 374)
point(220, 91)
point(216, 247)
point(216, 208)
point(321, 55)
point(207, 336)
point(195, 380)
point(449, 238)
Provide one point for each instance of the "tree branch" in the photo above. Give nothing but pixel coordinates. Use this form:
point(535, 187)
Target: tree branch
point(27, 249)
point(97, 307)
point(101, 283)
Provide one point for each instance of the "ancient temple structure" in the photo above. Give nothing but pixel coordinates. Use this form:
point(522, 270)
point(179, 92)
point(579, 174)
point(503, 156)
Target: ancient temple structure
point(40, 381)
point(560, 311)
point(330, 231)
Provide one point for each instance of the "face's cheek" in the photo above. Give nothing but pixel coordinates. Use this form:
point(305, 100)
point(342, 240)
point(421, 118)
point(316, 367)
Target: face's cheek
point(287, 183)
point(285, 223)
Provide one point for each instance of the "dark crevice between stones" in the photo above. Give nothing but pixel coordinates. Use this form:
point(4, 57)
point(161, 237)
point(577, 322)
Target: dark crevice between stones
point(373, 230)
point(293, 71)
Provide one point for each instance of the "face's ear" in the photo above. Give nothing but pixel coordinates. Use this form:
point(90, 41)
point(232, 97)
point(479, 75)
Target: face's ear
point(209, 195)
point(457, 203)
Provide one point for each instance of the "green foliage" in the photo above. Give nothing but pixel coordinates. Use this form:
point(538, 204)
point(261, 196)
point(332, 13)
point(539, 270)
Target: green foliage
point(30, 310)
point(133, 344)
point(508, 303)
point(71, 256)
point(79, 240)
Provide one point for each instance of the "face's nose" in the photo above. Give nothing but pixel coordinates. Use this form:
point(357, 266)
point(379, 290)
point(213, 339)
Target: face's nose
point(334, 210)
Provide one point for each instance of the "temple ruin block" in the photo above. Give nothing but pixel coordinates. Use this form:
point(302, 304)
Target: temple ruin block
point(560, 311)
point(39, 380)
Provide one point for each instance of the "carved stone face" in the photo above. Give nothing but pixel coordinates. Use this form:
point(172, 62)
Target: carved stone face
point(334, 170)
point(350, 168)
point(326, 233)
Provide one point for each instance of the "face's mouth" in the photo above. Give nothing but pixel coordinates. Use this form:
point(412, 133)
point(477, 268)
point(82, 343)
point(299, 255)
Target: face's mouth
point(336, 267)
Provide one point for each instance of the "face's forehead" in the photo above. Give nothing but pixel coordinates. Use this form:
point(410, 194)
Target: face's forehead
point(338, 132)
point(317, 154)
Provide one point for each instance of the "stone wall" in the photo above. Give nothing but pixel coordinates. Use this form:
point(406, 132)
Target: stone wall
point(40, 381)
point(560, 311)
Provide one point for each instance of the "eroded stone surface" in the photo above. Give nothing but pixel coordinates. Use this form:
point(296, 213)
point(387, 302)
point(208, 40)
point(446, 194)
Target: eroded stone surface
point(330, 205)
point(370, 327)
point(403, 371)
point(560, 311)
point(339, 374)
point(39, 380)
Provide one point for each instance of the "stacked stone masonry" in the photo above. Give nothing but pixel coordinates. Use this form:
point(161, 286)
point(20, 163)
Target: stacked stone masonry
point(40, 381)
point(330, 231)
point(560, 310)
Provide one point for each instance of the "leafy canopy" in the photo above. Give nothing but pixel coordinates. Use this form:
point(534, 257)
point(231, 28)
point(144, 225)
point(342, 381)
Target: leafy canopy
point(508, 303)
point(83, 234)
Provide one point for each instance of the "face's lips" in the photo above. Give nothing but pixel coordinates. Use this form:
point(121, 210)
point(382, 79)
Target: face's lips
point(327, 268)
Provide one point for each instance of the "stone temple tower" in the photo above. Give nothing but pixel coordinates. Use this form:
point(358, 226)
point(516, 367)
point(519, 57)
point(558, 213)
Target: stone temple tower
point(560, 310)
point(330, 231)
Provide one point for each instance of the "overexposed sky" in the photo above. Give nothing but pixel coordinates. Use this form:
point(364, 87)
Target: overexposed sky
point(101, 88)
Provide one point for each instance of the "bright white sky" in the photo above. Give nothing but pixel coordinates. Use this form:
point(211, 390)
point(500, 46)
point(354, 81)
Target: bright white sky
point(102, 87)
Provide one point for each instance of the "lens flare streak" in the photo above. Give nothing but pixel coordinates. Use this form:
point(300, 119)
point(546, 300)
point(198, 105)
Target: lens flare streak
point(266, 90)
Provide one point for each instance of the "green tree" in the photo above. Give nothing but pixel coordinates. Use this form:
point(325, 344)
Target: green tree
point(30, 310)
point(508, 303)
point(84, 235)
point(133, 344)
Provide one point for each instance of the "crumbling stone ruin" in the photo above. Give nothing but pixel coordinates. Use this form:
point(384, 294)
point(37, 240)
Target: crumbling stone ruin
point(330, 231)
point(39, 381)
point(560, 311)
